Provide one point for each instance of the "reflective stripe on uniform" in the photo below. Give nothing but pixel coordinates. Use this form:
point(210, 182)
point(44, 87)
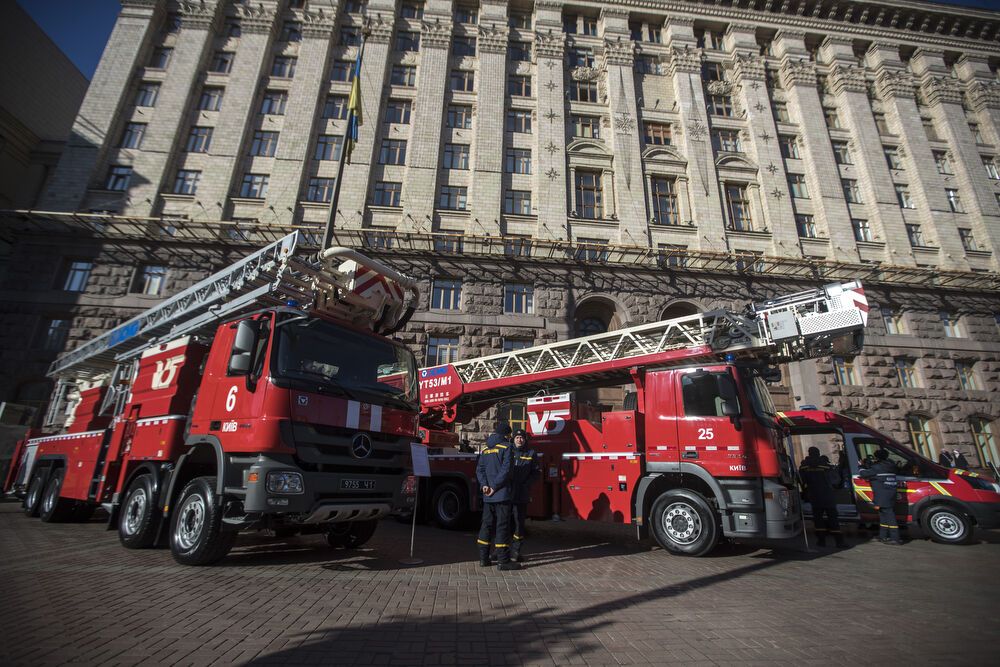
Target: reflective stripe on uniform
point(518, 537)
point(485, 544)
point(501, 546)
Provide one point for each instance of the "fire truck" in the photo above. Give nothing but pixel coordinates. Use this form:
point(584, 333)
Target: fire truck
point(267, 396)
point(697, 452)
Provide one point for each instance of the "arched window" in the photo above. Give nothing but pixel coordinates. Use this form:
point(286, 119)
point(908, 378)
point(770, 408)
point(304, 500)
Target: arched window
point(589, 326)
point(921, 435)
point(982, 436)
point(679, 309)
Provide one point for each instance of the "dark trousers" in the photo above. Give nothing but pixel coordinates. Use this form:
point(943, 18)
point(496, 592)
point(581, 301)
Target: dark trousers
point(827, 522)
point(520, 513)
point(888, 529)
point(495, 530)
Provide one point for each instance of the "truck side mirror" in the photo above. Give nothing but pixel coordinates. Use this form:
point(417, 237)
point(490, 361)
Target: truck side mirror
point(730, 408)
point(244, 344)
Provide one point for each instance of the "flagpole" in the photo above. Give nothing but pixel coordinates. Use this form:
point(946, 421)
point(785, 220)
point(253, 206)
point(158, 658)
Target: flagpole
point(332, 214)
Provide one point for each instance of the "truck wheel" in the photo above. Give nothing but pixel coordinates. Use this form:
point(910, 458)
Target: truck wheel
point(196, 535)
point(684, 523)
point(139, 518)
point(450, 506)
point(33, 498)
point(351, 535)
point(53, 508)
point(947, 525)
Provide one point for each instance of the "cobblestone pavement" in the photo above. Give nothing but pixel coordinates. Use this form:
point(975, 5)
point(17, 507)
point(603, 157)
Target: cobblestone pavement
point(70, 593)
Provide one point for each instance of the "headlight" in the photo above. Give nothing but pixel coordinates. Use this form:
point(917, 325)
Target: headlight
point(982, 484)
point(285, 482)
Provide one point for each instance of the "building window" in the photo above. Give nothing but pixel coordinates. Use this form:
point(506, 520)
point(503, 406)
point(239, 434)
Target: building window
point(968, 240)
point(186, 182)
point(466, 15)
point(517, 202)
point(254, 186)
point(647, 65)
point(54, 334)
point(990, 165)
point(132, 137)
point(915, 235)
point(519, 52)
point(146, 94)
point(592, 250)
point(712, 72)
point(921, 436)
point(462, 81)
point(797, 186)
point(517, 246)
point(519, 20)
point(951, 324)
point(283, 67)
point(222, 62)
point(149, 280)
point(161, 58)
point(906, 372)
point(982, 435)
point(446, 294)
point(569, 24)
point(519, 121)
point(515, 344)
point(75, 275)
point(892, 157)
point(320, 190)
point(583, 91)
point(328, 147)
point(460, 117)
point(199, 139)
point(943, 163)
point(656, 134)
point(450, 243)
point(841, 153)
point(844, 371)
point(589, 195)
point(403, 75)
point(350, 6)
point(518, 161)
point(463, 46)
point(518, 299)
point(581, 58)
point(587, 126)
point(967, 375)
point(342, 70)
point(519, 85)
point(378, 240)
point(781, 112)
point(832, 119)
point(749, 261)
point(291, 31)
point(903, 196)
point(456, 156)
point(350, 36)
point(930, 130)
point(388, 193)
point(211, 99)
point(976, 134)
point(738, 202)
point(396, 111)
point(264, 144)
point(881, 124)
point(720, 105)
point(954, 200)
point(806, 226)
point(453, 198)
point(335, 107)
point(412, 10)
point(408, 41)
point(894, 322)
point(118, 178)
point(789, 146)
point(274, 102)
point(233, 29)
point(393, 151)
point(441, 350)
point(664, 193)
point(671, 255)
point(862, 230)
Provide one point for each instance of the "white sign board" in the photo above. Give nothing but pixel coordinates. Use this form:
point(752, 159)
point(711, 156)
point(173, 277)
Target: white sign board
point(421, 464)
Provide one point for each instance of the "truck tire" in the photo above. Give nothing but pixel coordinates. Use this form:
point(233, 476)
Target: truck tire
point(196, 535)
point(684, 523)
point(139, 516)
point(53, 508)
point(351, 535)
point(33, 497)
point(947, 524)
point(450, 506)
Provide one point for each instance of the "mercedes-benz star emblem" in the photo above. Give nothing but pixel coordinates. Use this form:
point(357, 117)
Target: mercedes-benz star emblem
point(361, 446)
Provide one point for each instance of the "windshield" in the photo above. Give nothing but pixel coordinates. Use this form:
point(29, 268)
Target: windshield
point(326, 357)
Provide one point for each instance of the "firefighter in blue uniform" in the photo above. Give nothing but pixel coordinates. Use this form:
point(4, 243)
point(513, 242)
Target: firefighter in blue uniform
point(882, 475)
point(817, 474)
point(494, 471)
point(525, 473)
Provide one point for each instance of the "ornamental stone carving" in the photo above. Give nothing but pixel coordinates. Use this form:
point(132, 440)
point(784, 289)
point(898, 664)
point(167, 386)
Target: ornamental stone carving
point(317, 24)
point(798, 73)
point(684, 61)
point(719, 88)
point(891, 83)
point(197, 15)
point(983, 95)
point(941, 90)
point(435, 35)
point(749, 67)
point(549, 45)
point(848, 79)
point(522, 68)
point(493, 39)
point(585, 74)
point(467, 62)
point(409, 58)
point(259, 20)
point(614, 12)
point(379, 31)
point(624, 123)
point(747, 28)
point(679, 21)
point(619, 52)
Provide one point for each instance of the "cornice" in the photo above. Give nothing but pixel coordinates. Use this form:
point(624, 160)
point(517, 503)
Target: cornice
point(941, 90)
point(379, 31)
point(848, 79)
point(493, 39)
point(317, 24)
point(197, 15)
point(549, 45)
point(685, 60)
point(748, 67)
point(254, 20)
point(797, 73)
point(894, 83)
point(436, 35)
point(619, 52)
point(983, 95)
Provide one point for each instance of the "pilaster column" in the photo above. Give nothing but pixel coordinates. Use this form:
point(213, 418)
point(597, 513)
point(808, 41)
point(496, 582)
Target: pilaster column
point(683, 200)
point(554, 176)
point(982, 92)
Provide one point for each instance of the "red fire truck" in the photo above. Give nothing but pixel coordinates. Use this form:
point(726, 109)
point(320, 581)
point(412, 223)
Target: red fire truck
point(266, 396)
point(695, 454)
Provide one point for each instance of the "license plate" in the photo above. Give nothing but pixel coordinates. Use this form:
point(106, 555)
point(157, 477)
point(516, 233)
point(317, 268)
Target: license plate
point(357, 484)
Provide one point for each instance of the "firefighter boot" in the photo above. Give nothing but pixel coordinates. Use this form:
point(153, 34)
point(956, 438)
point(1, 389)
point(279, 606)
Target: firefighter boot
point(484, 556)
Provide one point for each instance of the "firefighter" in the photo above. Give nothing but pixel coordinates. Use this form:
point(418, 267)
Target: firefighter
point(525, 473)
point(817, 474)
point(882, 475)
point(493, 470)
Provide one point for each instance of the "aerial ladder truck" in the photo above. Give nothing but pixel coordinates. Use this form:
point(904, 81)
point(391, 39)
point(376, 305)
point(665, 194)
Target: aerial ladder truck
point(267, 396)
point(698, 451)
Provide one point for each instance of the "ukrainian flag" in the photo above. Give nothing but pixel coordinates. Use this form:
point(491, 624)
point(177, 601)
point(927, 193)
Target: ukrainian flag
point(354, 108)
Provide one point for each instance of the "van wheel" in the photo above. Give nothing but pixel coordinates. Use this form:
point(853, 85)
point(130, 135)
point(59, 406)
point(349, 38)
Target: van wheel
point(53, 508)
point(351, 535)
point(450, 506)
point(196, 535)
point(139, 517)
point(33, 498)
point(947, 525)
point(684, 523)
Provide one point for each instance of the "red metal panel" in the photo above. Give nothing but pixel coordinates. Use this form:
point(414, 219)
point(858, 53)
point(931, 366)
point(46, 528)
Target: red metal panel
point(599, 487)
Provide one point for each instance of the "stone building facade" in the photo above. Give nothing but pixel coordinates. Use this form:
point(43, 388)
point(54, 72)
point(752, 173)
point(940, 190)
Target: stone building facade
point(552, 169)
